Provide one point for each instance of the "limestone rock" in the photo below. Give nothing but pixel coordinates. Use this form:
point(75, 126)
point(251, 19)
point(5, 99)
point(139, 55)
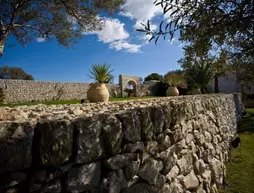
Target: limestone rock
point(185, 163)
point(15, 146)
point(84, 178)
point(180, 146)
point(199, 167)
point(131, 126)
point(165, 189)
point(117, 181)
point(158, 117)
point(217, 171)
point(207, 179)
point(189, 138)
point(149, 170)
point(134, 147)
point(132, 181)
point(112, 133)
point(161, 180)
point(173, 173)
point(177, 134)
point(147, 127)
point(55, 187)
point(190, 181)
point(175, 186)
point(132, 169)
point(54, 141)
point(119, 161)
point(139, 188)
point(76, 112)
point(169, 160)
point(152, 148)
point(208, 137)
point(165, 144)
point(89, 141)
point(200, 189)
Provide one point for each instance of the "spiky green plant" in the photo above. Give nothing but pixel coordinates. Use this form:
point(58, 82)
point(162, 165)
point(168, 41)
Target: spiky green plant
point(101, 73)
point(199, 75)
point(176, 80)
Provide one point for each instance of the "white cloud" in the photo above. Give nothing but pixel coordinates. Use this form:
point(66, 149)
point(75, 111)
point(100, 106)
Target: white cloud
point(124, 45)
point(141, 10)
point(40, 40)
point(113, 32)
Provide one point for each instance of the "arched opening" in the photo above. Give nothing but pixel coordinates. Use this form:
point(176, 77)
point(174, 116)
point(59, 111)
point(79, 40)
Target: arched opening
point(131, 88)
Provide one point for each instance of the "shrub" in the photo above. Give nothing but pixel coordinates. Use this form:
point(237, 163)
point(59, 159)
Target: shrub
point(129, 91)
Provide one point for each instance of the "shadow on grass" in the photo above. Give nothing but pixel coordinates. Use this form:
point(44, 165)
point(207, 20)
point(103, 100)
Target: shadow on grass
point(240, 170)
point(247, 124)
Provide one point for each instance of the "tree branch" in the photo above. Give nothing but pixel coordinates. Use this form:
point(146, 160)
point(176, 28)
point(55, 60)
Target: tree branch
point(16, 8)
point(30, 27)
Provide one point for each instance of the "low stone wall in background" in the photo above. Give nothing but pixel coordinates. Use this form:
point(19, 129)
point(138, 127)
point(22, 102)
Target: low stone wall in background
point(31, 90)
point(177, 144)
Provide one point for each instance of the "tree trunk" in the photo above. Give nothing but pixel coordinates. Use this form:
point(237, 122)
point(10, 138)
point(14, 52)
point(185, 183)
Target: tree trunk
point(2, 43)
point(216, 84)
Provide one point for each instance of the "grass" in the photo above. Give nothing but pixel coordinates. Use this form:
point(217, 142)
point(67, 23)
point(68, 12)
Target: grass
point(70, 101)
point(240, 171)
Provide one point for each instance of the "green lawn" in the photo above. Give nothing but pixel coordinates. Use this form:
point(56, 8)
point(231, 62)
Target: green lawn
point(240, 171)
point(71, 101)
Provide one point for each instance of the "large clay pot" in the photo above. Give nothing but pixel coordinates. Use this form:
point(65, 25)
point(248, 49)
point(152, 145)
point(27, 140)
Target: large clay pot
point(196, 91)
point(98, 93)
point(172, 91)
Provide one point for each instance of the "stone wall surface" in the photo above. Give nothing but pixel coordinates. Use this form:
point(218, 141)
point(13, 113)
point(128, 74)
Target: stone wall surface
point(162, 145)
point(30, 90)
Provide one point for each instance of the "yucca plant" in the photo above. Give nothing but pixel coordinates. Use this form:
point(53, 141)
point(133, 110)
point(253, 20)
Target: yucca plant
point(101, 73)
point(175, 80)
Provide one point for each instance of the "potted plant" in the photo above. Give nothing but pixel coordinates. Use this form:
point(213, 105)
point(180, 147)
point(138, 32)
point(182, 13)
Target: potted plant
point(172, 89)
point(173, 81)
point(102, 74)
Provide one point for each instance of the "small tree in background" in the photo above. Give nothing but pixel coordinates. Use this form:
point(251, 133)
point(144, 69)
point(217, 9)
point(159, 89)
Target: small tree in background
point(14, 73)
point(154, 76)
point(129, 91)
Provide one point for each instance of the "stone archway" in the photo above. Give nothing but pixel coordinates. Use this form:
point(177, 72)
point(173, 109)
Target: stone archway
point(135, 81)
point(132, 84)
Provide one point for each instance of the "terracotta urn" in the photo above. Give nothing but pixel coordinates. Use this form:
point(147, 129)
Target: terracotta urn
point(172, 91)
point(98, 93)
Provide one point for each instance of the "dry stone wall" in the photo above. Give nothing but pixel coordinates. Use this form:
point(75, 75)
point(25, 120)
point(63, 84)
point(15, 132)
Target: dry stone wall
point(162, 145)
point(30, 90)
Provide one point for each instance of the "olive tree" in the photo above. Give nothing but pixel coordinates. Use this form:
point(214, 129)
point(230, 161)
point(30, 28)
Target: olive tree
point(64, 20)
point(206, 23)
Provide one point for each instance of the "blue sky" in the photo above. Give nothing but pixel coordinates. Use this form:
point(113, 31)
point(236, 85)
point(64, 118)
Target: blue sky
point(117, 43)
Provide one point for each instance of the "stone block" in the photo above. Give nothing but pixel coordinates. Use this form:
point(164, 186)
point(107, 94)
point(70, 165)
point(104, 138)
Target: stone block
point(54, 140)
point(15, 146)
point(89, 142)
point(131, 126)
point(84, 177)
point(112, 134)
